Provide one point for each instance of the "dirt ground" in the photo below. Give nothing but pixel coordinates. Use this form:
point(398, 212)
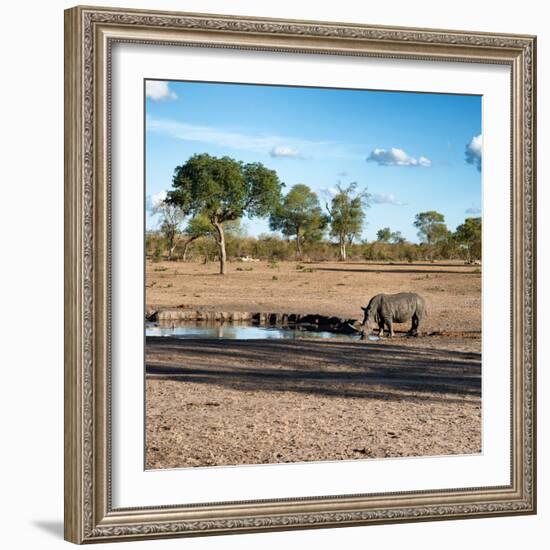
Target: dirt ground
point(452, 290)
point(228, 402)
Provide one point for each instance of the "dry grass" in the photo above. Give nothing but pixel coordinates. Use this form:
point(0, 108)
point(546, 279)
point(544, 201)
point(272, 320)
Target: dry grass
point(266, 401)
point(452, 290)
point(248, 402)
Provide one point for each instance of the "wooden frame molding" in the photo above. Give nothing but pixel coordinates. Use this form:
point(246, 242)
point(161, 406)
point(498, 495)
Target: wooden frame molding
point(89, 35)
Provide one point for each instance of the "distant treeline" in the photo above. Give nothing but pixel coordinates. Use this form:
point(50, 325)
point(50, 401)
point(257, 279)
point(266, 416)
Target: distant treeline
point(200, 218)
point(274, 248)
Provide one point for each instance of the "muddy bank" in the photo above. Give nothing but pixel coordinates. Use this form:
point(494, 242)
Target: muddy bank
point(262, 318)
point(211, 402)
point(308, 321)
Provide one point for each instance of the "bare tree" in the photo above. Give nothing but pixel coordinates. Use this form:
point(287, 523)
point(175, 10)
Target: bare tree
point(171, 218)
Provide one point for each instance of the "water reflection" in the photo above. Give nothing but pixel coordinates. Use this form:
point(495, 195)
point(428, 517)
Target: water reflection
point(235, 331)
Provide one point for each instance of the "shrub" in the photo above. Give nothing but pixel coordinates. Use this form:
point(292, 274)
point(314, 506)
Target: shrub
point(157, 254)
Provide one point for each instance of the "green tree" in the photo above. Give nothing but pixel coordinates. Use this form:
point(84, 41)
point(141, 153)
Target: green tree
point(383, 235)
point(431, 230)
point(396, 237)
point(468, 235)
point(198, 226)
point(224, 190)
point(431, 226)
point(299, 215)
point(346, 215)
point(386, 235)
point(171, 218)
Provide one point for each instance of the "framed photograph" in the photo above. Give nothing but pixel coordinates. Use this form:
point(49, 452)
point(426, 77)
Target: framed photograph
point(300, 274)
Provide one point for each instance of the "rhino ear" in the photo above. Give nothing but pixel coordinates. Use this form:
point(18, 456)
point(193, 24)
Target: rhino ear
point(363, 308)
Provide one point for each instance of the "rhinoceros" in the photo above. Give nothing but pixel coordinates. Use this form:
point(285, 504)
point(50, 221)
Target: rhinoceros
point(386, 309)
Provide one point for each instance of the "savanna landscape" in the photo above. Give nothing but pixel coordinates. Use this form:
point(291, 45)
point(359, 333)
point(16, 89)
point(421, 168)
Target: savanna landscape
point(289, 322)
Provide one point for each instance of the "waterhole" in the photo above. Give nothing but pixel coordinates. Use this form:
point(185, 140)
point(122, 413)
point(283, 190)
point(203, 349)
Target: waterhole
point(240, 331)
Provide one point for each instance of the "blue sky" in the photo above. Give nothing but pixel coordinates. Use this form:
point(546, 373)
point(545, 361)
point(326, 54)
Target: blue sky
point(412, 151)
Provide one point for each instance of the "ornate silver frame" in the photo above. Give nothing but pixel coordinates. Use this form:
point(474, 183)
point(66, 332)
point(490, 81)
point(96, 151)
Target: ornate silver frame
point(89, 35)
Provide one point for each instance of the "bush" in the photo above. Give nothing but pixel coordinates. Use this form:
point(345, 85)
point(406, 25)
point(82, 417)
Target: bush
point(157, 254)
point(274, 249)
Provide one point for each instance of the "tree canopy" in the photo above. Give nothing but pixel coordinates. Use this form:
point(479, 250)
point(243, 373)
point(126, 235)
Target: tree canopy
point(469, 235)
point(431, 226)
point(223, 190)
point(386, 235)
point(198, 226)
point(299, 215)
point(346, 215)
point(396, 237)
point(383, 235)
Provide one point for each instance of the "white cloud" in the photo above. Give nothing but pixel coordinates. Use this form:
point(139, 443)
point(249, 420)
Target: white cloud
point(385, 198)
point(473, 210)
point(258, 143)
point(282, 151)
point(152, 201)
point(159, 90)
point(473, 152)
point(425, 162)
point(396, 157)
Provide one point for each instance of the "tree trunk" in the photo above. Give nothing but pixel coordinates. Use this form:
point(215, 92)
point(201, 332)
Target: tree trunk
point(343, 255)
point(298, 246)
point(171, 246)
point(430, 251)
point(185, 247)
point(184, 251)
point(220, 239)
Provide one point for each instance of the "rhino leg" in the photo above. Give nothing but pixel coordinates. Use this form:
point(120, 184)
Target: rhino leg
point(389, 322)
point(414, 326)
point(381, 328)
